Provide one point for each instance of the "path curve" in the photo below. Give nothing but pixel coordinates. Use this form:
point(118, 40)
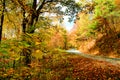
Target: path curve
point(101, 58)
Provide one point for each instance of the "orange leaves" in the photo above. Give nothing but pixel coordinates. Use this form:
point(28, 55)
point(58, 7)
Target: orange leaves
point(117, 2)
point(10, 71)
point(6, 72)
point(88, 69)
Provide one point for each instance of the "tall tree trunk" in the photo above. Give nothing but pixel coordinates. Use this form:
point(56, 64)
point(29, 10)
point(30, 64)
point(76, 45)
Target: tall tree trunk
point(34, 16)
point(65, 42)
point(31, 21)
point(24, 22)
point(2, 19)
point(33, 12)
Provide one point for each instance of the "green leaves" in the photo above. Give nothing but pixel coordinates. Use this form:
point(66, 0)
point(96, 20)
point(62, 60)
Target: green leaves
point(3, 51)
point(4, 48)
point(105, 13)
point(93, 26)
point(24, 44)
point(104, 7)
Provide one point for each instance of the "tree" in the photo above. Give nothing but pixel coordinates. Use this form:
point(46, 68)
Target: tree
point(35, 9)
point(105, 14)
point(32, 12)
point(105, 24)
point(2, 17)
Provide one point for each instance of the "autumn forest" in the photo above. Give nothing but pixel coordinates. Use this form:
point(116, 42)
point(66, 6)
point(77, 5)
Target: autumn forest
point(35, 44)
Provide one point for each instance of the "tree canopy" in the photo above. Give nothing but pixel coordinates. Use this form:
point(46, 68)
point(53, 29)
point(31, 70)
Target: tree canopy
point(34, 10)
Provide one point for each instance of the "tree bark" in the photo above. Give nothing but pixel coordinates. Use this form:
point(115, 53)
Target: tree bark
point(34, 16)
point(24, 22)
point(2, 19)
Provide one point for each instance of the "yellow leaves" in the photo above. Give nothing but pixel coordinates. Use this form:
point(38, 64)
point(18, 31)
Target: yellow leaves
point(38, 54)
point(5, 75)
point(37, 43)
point(37, 51)
point(17, 58)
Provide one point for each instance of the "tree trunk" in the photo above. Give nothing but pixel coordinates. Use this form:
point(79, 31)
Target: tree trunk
point(28, 24)
point(65, 41)
point(2, 19)
point(33, 18)
point(31, 24)
point(24, 22)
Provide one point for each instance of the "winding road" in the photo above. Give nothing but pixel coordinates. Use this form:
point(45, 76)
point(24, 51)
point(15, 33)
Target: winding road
point(101, 58)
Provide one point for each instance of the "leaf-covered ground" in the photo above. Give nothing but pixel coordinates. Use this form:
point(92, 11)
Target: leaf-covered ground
point(89, 69)
point(75, 67)
point(63, 66)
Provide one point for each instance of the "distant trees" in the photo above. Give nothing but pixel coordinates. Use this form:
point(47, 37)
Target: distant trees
point(103, 16)
point(59, 38)
point(100, 22)
point(106, 15)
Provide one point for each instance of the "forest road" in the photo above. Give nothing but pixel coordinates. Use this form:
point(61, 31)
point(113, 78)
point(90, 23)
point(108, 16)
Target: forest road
point(115, 61)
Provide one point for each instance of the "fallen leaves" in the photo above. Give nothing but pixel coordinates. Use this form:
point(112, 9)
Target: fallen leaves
point(64, 67)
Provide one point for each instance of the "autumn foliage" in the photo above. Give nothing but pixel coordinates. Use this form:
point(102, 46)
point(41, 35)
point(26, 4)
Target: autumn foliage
point(63, 66)
point(34, 48)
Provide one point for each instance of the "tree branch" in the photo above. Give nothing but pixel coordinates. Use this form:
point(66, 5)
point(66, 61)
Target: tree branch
point(41, 6)
point(34, 4)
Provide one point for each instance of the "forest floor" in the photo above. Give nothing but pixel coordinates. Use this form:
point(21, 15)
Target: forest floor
point(63, 66)
point(75, 67)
